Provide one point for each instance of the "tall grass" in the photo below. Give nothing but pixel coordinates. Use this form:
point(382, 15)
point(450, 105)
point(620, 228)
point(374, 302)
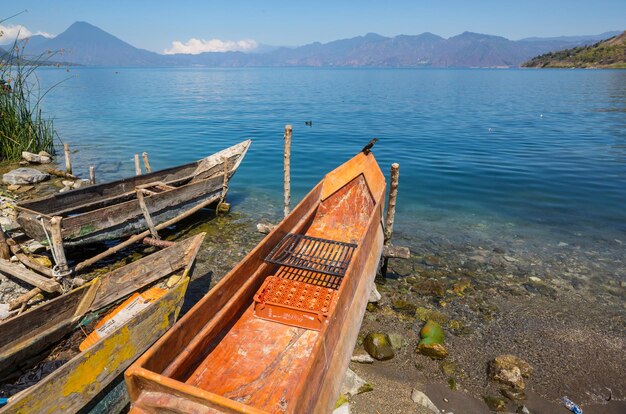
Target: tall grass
point(22, 124)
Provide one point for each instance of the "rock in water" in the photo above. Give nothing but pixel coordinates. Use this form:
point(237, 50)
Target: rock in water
point(378, 345)
point(354, 385)
point(422, 399)
point(510, 370)
point(432, 341)
point(21, 176)
point(362, 358)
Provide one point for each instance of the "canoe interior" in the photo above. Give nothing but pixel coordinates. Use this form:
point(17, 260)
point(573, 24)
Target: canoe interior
point(25, 337)
point(229, 359)
point(112, 208)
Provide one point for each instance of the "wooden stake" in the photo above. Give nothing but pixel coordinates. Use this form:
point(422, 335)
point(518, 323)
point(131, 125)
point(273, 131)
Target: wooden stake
point(137, 165)
point(5, 252)
point(287, 155)
point(391, 204)
point(57, 243)
point(68, 161)
point(92, 174)
point(145, 162)
point(146, 214)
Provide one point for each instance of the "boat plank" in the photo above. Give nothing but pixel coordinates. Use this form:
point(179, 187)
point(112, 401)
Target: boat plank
point(44, 283)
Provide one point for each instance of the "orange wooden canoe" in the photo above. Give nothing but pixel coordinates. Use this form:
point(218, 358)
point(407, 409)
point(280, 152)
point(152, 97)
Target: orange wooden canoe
point(276, 334)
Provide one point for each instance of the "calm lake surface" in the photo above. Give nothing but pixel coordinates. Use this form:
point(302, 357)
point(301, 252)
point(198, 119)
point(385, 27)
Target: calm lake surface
point(484, 154)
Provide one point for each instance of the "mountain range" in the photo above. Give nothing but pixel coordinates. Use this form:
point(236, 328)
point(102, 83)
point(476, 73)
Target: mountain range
point(85, 44)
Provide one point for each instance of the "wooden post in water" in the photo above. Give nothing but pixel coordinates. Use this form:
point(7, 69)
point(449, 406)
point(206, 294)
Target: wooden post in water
point(68, 161)
point(144, 155)
point(92, 174)
point(287, 155)
point(137, 165)
point(391, 212)
point(391, 203)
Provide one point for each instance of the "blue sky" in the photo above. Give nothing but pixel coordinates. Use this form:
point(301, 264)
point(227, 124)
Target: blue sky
point(155, 24)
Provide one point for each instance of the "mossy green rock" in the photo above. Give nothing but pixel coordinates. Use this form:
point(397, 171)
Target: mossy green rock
point(432, 341)
point(495, 403)
point(424, 315)
point(378, 345)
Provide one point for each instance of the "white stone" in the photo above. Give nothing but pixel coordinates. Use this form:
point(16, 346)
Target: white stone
point(4, 310)
point(535, 279)
point(21, 176)
point(36, 158)
point(563, 244)
point(352, 384)
point(363, 358)
point(35, 247)
point(342, 409)
point(375, 296)
point(420, 398)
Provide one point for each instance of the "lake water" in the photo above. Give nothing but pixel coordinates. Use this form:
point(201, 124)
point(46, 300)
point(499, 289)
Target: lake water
point(484, 154)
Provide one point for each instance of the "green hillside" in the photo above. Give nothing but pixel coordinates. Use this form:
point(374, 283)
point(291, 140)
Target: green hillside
point(609, 54)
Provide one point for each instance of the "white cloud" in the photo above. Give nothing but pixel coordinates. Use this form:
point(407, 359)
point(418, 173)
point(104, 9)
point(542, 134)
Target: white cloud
point(196, 46)
point(17, 31)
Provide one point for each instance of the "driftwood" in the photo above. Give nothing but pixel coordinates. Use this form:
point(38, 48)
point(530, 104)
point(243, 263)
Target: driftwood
point(30, 277)
point(68, 161)
point(157, 242)
point(27, 261)
point(62, 174)
point(21, 300)
point(287, 168)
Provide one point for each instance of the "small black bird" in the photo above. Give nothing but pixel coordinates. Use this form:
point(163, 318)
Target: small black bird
point(366, 149)
point(308, 123)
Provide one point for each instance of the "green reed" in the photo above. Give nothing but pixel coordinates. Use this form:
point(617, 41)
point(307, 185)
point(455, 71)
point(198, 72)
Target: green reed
point(22, 124)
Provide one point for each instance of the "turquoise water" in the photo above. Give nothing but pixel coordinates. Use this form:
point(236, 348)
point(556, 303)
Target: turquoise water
point(503, 151)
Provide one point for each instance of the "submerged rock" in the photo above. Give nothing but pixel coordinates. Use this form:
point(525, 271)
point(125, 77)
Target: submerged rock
point(21, 176)
point(422, 399)
point(431, 343)
point(362, 357)
point(378, 345)
point(510, 370)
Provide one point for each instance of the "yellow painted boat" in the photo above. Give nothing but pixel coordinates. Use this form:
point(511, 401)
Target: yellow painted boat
point(74, 384)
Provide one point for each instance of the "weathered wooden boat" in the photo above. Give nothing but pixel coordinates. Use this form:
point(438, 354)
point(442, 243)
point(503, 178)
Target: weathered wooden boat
point(276, 334)
point(26, 338)
point(120, 208)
